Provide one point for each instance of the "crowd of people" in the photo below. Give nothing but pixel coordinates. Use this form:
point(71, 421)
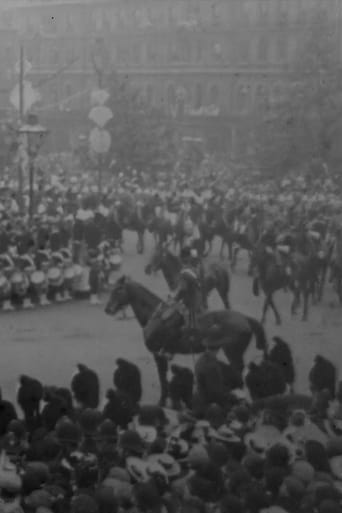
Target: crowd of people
point(224, 447)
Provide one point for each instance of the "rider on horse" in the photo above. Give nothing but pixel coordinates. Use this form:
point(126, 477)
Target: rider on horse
point(189, 291)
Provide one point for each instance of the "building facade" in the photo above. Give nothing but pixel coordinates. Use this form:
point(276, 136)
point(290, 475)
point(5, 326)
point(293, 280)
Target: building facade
point(209, 64)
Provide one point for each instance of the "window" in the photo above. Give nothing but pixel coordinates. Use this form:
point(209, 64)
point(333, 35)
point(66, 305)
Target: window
point(136, 52)
point(264, 11)
point(262, 49)
point(241, 98)
point(283, 13)
point(185, 49)
point(214, 95)
point(199, 50)
point(67, 90)
point(171, 96)
point(54, 56)
point(70, 23)
point(151, 51)
point(54, 96)
point(198, 97)
point(281, 48)
point(244, 50)
point(149, 94)
point(260, 97)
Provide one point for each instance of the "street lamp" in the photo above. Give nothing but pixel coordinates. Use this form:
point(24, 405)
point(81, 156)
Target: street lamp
point(35, 135)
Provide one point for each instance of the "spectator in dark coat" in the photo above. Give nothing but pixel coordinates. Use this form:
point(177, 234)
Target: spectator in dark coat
point(118, 409)
point(56, 407)
point(281, 355)
point(322, 376)
point(181, 386)
point(86, 387)
point(210, 378)
point(7, 414)
point(29, 395)
point(265, 380)
point(127, 380)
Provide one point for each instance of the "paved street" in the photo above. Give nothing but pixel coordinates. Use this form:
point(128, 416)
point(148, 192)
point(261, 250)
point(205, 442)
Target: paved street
point(49, 343)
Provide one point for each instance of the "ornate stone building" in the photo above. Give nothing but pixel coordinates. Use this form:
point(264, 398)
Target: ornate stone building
point(210, 64)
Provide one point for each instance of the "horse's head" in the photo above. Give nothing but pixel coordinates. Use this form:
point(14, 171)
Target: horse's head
point(156, 260)
point(119, 297)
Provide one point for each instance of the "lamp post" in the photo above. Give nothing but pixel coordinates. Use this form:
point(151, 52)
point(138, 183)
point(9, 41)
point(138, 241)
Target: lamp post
point(34, 134)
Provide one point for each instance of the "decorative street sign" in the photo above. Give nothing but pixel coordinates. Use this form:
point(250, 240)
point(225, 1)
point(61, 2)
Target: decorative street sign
point(100, 115)
point(100, 140)
point(31, 96)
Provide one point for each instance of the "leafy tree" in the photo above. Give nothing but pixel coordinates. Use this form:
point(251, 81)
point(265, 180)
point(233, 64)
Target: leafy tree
point(303, 125)
point(143, 138)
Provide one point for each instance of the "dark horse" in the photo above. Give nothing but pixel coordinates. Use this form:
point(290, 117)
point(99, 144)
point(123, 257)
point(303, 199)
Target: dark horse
point(133, 219)
point(164, 331)
point(300, 278)
point(215, 275)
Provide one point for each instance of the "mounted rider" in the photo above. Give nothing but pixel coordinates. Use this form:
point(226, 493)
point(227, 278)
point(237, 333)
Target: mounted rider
point(189, 291)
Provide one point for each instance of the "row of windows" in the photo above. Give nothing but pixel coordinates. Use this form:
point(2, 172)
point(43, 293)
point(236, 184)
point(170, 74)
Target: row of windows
point(264, 49)
point(191, 97)
point(184, 13)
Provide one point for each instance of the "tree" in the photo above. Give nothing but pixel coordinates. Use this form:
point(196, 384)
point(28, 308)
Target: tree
point(143, 138)
point(304, 125)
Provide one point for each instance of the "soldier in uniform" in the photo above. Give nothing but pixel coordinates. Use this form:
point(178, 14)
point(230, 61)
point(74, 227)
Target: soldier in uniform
point(189, 291)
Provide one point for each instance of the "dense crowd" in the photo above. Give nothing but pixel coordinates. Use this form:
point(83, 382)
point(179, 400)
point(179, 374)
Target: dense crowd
point(223, 447)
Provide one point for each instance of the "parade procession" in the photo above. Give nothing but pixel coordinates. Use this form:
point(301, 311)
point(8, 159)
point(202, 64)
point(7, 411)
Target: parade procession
point(170, 256)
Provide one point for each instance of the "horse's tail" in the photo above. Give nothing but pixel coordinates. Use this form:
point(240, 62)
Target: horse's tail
point(259, 333)
point(256, 287)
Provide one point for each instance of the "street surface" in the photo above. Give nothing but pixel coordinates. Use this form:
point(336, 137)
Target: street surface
point(48, 343)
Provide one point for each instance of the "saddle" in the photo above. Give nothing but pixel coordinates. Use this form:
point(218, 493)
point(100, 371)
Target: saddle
point(171, 313)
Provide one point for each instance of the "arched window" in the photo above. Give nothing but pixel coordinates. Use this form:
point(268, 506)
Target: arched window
point(214, 95)
point(198, 97)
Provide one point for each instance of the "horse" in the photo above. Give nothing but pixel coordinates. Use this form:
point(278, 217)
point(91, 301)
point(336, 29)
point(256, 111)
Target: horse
point(273, 277)
point(165, 332)
point(244, 238)
point(215, 276)
point(133, 219)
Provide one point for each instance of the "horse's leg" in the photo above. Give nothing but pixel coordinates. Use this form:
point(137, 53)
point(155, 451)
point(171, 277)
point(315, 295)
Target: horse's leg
point(250, 270)
point(306, 294)
point(322, 281)
point(275, 310)
point(230, 248)
point(222, 287)
point(265, 308)
point(162, 368)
